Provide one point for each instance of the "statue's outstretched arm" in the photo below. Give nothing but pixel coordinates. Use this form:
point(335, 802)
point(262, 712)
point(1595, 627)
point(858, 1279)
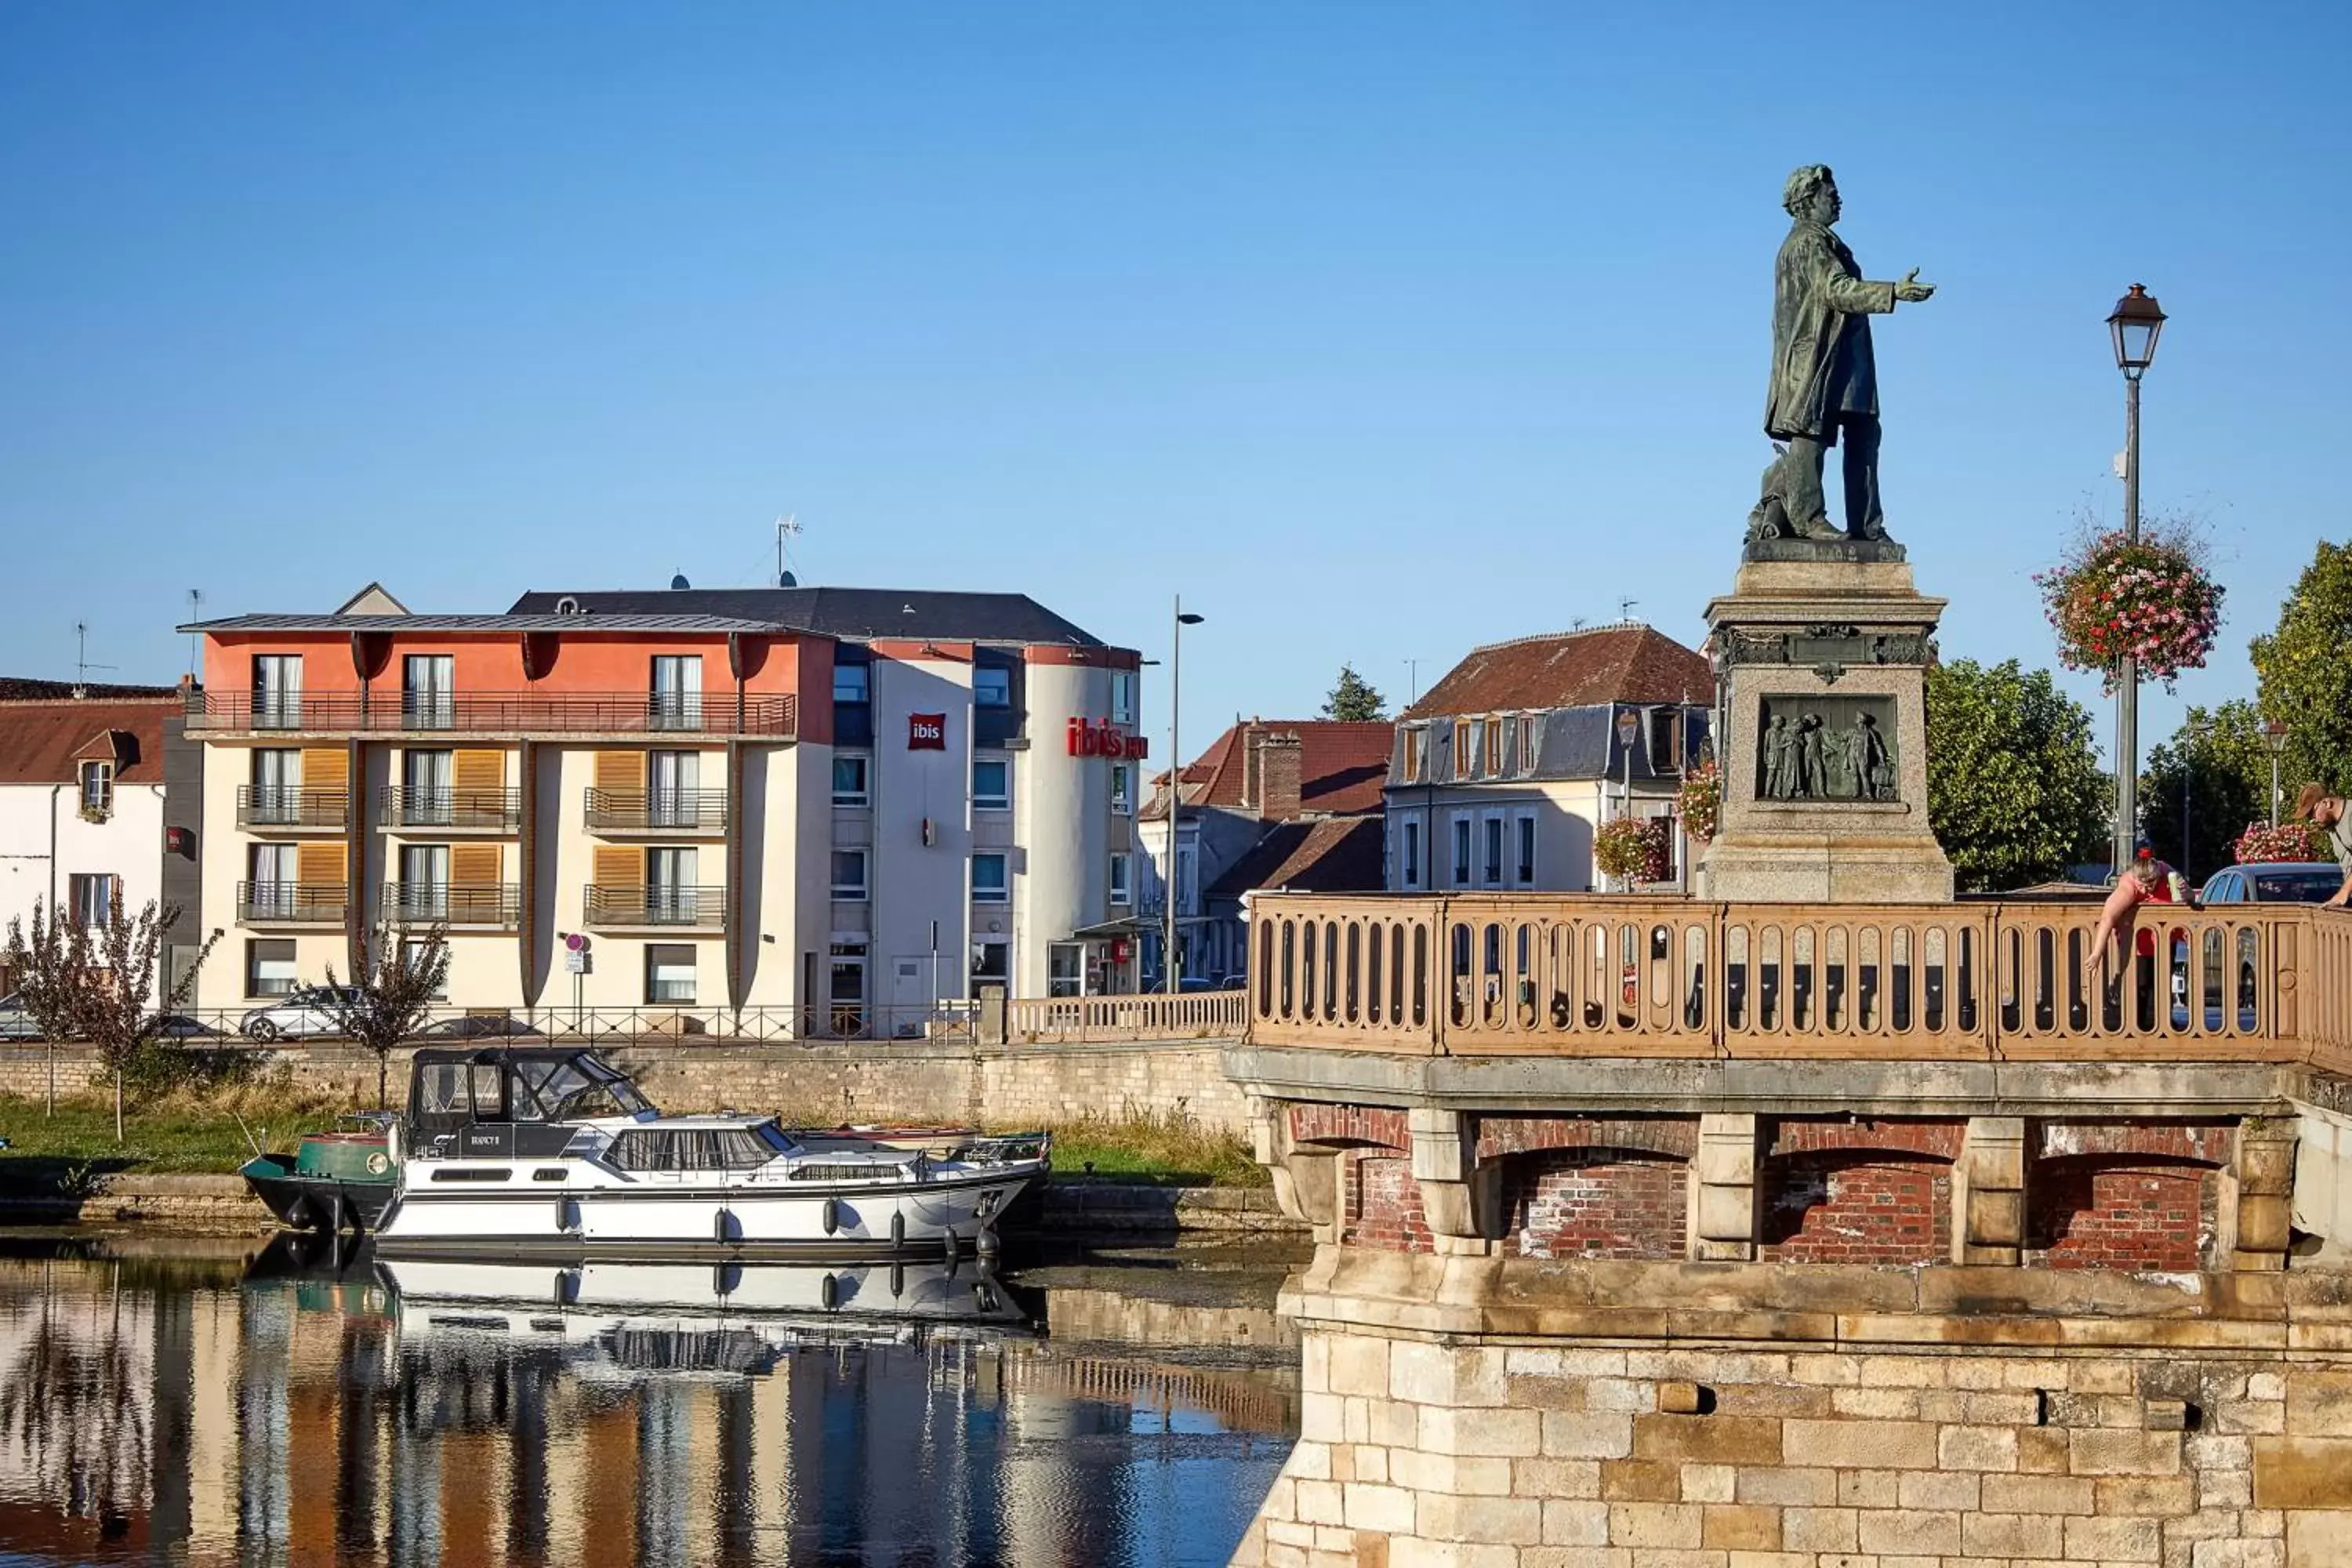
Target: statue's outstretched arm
point(1846, 294)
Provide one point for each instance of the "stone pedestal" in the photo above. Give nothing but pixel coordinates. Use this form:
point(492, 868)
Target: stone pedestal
point(1823, 645)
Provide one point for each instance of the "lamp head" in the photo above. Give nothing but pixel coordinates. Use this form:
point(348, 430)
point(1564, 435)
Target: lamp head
point(2136, 324)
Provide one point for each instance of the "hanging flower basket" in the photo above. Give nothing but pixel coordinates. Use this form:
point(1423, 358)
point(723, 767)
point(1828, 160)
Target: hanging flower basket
point(2262, 844)
point(2111, 599)
point(1638, 849)
point(1702, 800)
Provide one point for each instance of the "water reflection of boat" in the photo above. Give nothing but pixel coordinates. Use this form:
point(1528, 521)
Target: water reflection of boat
point(676, 1316)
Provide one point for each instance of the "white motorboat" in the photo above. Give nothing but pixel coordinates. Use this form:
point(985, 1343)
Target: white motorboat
point(515, 1150)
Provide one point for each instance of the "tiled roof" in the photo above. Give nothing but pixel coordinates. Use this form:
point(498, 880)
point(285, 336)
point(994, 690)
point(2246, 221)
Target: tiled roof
point(339, 622)
point(33, 689)
point(1326, 854)
point(39, 742)
point(855, 613)
point(1342, 766)
point(1623, 663)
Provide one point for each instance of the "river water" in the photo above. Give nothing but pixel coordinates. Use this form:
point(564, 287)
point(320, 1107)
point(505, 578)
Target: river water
point(209, 1403)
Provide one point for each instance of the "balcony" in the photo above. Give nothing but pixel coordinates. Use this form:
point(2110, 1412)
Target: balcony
point(453, 810)
point(492, 713)
point(272, 807)
point(657, 908)
point(494, 904)
point(291, 903)
point(661, 812)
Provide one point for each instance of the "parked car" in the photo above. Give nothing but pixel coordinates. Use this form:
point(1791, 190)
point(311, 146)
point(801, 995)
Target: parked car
point(2279, 883)
point(305, 1013)
point(479, 1026)
point(181, 1026)
point(16, 1024)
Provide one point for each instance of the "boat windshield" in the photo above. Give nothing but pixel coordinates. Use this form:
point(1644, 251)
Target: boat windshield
point(690, 1149)
point(576, 1089)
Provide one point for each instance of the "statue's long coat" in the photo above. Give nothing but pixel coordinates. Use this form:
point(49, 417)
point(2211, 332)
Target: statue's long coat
point(1822, 363)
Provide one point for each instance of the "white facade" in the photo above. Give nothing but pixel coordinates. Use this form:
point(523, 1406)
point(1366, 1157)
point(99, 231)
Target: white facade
point(54, 853)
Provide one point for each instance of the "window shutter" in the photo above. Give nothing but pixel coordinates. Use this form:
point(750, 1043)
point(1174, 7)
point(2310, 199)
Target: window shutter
point(320, 865)
point(619, 866)
point(474, 865)
point(326, 767)
point(478, 770)
point(620, 770)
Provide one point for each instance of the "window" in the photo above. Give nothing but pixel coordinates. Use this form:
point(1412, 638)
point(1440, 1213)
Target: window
point(427, 798)
point(849, 683)
point(1122, 887)
point(1665, 739)
point(97, 790)
point(1494, 867)
point(276, 874)
point(1416, 756)
point(1122, 697)
point(1462, 752)
point(277, 784)
point(1525, 727)
point(1523, 870)
point(412, 954)
point(1122, 788)
point(1066, 970)
point(991, 686)
point(849, 874)
point(691, 1149)
point(424, 893)
point(671, 894)
point(846, 988)
point(1412, 874)
point(991, 962)
point(988, 884)
point(93, 900)
point(991, 783)
point(849, 778)
point(1470, 760)
point(1494, 764)
point(270, 967)
point(669, 973)
point(277, 691)
point(677, 697)
point(1461, 851)
point(673, 797)
point(428, 691)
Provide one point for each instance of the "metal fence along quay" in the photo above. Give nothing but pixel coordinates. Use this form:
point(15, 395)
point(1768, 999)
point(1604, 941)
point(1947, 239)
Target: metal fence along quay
point(1616, 976)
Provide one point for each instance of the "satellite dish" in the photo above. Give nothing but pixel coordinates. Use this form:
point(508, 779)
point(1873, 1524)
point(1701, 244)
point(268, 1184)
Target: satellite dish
point(788, 581)
point(679, 582)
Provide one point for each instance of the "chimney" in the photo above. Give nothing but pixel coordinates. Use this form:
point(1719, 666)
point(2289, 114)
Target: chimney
point(1278, 777)
point(1253, 782)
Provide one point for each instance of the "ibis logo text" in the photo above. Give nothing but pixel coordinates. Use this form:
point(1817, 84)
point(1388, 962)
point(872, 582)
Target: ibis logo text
point(1101, 738)
point(926, 732)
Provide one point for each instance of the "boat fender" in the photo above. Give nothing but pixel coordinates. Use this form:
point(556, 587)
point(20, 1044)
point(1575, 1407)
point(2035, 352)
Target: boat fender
point(898, 1278)
point(829, 1292)
point(719, 1225)
point(298, 1214)
point(832, 1217)
point(955, 1251)
point(987, 1243)
point(567, 1215)
point(898, 1230)
point(567, 1287)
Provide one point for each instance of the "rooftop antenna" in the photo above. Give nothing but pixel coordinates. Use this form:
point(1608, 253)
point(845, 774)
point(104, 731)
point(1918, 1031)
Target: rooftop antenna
point(787, 527)
point(82, 667)
point(1577, 625)
point(1412, 681)
point(1625, 608)
point(195, 605)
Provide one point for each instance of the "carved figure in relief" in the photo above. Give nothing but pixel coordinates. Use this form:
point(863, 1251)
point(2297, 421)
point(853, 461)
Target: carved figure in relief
point(1777, 758)
point(1809, 756)
point(1874, 773)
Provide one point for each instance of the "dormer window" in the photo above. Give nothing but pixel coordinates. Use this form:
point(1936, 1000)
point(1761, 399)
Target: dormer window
point(97, 791)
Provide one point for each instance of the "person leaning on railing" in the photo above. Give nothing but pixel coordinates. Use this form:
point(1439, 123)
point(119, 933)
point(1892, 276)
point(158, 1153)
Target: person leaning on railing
point(2325, 811)
point(2147, 880)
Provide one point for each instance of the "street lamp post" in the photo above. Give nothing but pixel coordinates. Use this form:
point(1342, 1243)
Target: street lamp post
point(1175, 793)
point(1628, 728)
point(2274, 737)
point(2134, 324)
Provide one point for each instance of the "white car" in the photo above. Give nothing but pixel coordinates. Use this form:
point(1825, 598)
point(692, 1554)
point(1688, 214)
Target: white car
point(305, 1013)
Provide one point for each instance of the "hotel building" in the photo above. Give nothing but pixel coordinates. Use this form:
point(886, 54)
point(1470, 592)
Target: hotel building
point(841, 807)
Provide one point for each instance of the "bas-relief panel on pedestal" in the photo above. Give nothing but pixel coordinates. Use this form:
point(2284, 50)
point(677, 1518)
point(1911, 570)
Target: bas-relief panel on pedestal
point(1823, 749)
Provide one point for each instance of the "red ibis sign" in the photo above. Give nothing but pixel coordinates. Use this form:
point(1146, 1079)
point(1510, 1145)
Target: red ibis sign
point(1101, 738)
point(926, 732)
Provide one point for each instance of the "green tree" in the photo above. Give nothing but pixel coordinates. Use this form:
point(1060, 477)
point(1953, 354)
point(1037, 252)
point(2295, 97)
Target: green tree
point(2220, 760)
point(392, 997)
point(1353, 700)
point(2015, 791)
point(2305, 666)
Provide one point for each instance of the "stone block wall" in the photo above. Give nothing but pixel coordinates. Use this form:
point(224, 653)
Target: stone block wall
point(1462, 1413)
point(830, 1081)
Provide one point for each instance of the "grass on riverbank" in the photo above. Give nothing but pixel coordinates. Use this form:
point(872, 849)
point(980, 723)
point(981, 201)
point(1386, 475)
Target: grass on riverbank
point(191, 1132)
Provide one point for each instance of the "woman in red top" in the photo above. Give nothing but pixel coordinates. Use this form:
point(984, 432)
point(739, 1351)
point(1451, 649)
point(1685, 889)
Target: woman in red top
point(2149, 881)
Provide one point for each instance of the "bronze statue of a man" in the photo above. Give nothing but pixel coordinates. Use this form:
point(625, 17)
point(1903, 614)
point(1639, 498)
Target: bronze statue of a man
point(1824, 381)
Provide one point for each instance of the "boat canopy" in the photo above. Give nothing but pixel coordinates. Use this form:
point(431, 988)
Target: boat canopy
point(452, 1091)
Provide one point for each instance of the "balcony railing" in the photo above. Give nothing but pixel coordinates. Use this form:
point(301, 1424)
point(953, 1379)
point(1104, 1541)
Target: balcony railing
point(495, 713)
point(454, 904)
point(656, 905)
point(275, 805)
point(1628, 976)
point(642, 811)
point(291, 903)
point(494, 809)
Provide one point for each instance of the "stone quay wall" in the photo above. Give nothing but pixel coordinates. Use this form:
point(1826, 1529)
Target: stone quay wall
point(1520, 1413)
point(832, 1081)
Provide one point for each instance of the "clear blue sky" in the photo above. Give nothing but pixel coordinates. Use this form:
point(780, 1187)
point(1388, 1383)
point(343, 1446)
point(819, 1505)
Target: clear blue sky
point(1379, 330)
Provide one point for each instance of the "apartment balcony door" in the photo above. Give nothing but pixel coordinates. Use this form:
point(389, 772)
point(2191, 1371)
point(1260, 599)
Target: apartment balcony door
point(846, 990)
point(277, 785)
point(277, 691)
point(677, 692)
point(276, 872)
point(673, 779)
point(426, 797)
point(428, 692)
point(425, 881)
point(670, 891)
